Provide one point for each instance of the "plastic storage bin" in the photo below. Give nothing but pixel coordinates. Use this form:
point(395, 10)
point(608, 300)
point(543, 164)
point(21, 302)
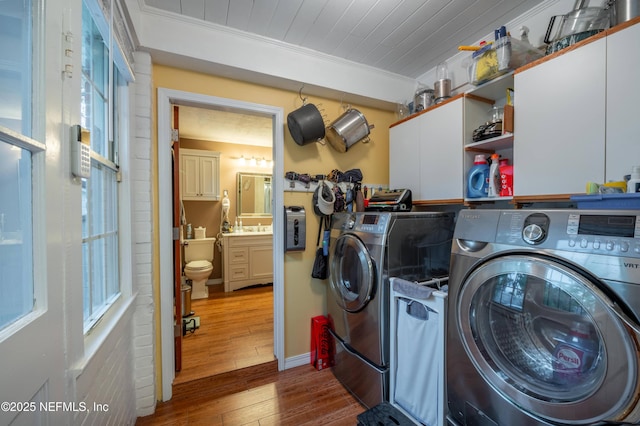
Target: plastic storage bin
point(502, 56)
point(622, 201)
point(418, 319)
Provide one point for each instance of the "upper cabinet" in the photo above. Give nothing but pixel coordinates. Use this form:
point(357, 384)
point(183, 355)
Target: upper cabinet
point(623, 92)
point(560, 109)
point(424, 153)
point(199, 175)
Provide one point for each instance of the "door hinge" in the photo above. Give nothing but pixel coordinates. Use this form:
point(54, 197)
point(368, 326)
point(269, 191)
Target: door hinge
point(118, 176)
point(176, 233)
point(177, 329)
point(175, 136)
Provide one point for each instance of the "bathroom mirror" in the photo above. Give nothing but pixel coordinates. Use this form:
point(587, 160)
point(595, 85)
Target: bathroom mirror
point(254, 194)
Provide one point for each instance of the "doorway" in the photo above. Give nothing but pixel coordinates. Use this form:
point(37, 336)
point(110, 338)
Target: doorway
point(166, 99)
point(234, 328)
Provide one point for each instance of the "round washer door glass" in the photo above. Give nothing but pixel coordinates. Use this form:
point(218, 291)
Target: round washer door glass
point(544, 336)
point(351, 273)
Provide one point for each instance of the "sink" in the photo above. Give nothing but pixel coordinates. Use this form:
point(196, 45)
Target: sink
point(250, 233)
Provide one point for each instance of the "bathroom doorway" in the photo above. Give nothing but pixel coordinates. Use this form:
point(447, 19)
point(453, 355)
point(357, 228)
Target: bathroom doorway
point(167, 98)
point(228, 330)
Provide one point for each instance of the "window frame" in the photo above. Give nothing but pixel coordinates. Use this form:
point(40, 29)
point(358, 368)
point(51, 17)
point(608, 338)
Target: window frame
point(117, 120)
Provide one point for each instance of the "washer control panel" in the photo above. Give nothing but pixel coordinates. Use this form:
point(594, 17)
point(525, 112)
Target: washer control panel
point(613, 232)
point(604, 232)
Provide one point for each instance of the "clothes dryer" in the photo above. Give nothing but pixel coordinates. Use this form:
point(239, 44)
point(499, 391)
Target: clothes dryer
point(543, 318)
point(367, 248)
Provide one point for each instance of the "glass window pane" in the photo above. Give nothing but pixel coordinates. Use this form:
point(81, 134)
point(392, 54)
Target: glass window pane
point(16, 65)
point(96, 202)
point(16, 247)
point(97, 274)
point(86, 282)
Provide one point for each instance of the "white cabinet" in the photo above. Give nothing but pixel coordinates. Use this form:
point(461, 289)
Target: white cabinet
point(425, 153)
point(247, 260)
point(623, 92)
point(560, 110)
point(199, 175)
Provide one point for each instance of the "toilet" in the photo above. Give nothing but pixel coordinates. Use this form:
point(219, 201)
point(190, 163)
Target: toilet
point(198, 255)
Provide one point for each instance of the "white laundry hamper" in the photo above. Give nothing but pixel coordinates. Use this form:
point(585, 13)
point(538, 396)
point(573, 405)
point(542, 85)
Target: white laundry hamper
point(417, 370)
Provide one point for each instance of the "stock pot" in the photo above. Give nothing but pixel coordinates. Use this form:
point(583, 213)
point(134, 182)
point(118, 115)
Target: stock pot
point(346, 130)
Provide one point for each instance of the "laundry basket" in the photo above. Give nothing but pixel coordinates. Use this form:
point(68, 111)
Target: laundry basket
point(418, 319)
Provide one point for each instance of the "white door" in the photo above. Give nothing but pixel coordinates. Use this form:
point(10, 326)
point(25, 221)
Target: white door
point(32, 250)
point(560, 123)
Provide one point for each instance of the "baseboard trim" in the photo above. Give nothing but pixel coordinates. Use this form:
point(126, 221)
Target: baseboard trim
point(297, 361)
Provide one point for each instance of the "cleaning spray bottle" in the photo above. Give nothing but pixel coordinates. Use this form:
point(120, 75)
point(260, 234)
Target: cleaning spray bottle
point(494, 176)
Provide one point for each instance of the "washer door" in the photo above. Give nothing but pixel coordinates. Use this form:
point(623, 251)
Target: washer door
point(544, 336)
point(352, 276)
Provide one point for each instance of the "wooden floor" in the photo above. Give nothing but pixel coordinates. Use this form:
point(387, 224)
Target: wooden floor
point(260, 396)
point(230, 376)
point(236, 331)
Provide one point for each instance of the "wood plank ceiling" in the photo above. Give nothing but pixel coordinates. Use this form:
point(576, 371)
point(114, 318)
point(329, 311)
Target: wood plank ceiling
point(405, 37)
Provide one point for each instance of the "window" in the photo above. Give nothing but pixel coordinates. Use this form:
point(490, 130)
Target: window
point(101, 80)
point(17, 169)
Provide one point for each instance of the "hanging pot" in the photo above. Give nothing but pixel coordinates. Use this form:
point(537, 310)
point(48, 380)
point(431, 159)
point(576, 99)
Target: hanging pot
point(348, 129)
point(306, 124)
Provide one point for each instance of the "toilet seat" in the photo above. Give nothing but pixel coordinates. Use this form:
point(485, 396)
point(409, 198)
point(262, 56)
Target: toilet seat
point(198, 265)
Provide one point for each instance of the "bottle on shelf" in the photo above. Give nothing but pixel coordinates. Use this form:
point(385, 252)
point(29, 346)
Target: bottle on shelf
point(478, 178)
point(506, 178)
point(494, 176)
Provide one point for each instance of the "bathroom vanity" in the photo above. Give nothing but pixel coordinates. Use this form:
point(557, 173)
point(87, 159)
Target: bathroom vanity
point(247, 259)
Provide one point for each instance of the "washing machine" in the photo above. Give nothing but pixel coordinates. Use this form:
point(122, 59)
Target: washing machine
point(367, 248)
point(544, 307)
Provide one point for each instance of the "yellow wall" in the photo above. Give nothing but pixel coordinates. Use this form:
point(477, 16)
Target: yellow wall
point(304, 296)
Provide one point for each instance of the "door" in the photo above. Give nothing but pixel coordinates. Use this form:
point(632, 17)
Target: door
point(544, 335)
point(352, 275)
point(177, 249)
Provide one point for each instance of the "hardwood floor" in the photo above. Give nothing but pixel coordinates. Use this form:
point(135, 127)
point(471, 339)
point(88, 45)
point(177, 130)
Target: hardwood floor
point(236, 331)
point(260, 396)
point(230, 377)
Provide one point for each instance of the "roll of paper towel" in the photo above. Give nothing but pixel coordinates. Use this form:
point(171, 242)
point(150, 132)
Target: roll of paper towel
point(200, 232)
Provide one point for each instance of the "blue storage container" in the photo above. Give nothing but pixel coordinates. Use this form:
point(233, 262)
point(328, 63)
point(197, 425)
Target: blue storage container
point(622, 201)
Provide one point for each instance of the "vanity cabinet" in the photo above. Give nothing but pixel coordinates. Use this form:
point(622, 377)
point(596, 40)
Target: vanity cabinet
point(560, 118)
point(424, 153)
point(247, 259)
point(199, 175)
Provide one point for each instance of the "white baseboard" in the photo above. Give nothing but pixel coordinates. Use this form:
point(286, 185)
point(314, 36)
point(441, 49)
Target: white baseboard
point(297, 361)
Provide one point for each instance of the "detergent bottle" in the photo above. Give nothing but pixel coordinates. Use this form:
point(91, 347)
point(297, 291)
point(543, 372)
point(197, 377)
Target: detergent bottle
point(494, 176)
point(478, 178)
point(573, 356)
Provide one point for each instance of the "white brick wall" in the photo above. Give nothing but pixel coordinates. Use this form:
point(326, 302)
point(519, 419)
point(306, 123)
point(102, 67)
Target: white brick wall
point(143, 335)
point(106, 382)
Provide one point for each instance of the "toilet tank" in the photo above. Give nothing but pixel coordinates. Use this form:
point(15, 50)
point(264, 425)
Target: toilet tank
point(201, 249)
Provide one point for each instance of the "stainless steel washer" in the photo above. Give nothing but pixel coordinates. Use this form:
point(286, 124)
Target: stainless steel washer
point(543, 318)
point(365, 250)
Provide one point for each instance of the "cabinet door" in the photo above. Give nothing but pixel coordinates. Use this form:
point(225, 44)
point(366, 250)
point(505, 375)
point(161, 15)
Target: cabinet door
point(560, 123)
point(209, 178)
point(261, 264)
point(623, 92)
point(190, 180)
point(441, 153)
point(404, 161)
